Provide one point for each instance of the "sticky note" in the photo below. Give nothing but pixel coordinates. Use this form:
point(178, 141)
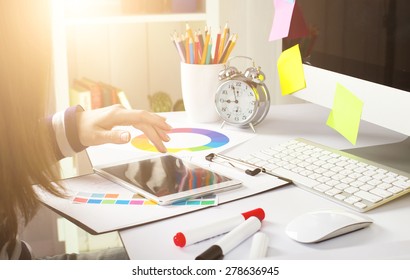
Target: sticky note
point(290, 70)
point(281, 19)
point(346, 113)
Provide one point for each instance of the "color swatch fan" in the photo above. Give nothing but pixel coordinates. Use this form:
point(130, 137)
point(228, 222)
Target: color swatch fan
point(185, 139)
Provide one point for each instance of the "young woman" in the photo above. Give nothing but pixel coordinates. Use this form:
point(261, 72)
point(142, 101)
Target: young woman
point(31, 143)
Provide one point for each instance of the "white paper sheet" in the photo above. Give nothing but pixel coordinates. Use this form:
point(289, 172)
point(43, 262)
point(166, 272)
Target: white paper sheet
point(104, 218)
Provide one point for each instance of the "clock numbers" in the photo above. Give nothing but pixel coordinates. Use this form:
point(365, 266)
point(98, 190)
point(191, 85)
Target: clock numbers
point(236, 101)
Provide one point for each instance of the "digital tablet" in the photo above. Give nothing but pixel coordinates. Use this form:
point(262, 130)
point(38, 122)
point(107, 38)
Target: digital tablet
point(166, 179)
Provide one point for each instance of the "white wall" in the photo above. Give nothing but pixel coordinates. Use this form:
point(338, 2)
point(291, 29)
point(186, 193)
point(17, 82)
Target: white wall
point(252, 20)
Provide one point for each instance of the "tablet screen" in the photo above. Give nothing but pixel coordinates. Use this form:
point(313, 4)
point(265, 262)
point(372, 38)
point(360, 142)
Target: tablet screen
point(165, 175)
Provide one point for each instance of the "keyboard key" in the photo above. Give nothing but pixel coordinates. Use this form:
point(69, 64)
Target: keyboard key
point(306, 173)
point(351, 190)
point(262, 156)
point(402, 184)
point(347, 180)
point(322, 187)
point(372, 172)
point(355, 183)
point(368, 196)
point(378, 176)
point(329, 173)
point(320, 170)
point(360, 205)
point(395, 190)
point(346, 172)
point(342, 186)
point(340, 197)
point(342, 163)
point(389, 179)
point(314, 176)
point(338, 177)
point(384, 186)
point(333, 192)
point(381, 170)
point(364, 179)
point(366, 187)
point(381, 192)
point(374, 182)
point(356, 175)
point(323, 179)
point(352, 199)
point(332, 183)
point(306, 181)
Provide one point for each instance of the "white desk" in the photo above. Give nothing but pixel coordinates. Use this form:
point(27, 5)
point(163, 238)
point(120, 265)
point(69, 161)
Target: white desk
point(387, 238)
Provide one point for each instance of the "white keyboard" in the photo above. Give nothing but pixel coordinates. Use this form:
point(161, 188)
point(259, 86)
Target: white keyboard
point(341, 177)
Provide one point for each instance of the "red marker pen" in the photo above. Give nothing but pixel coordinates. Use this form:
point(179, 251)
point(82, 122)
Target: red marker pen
point(215, 228)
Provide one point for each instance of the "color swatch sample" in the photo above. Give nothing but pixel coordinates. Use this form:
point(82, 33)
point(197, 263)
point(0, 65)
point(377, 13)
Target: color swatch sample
point(216, 140)
point(346, 113)
point(290, 70)
point(135, 199)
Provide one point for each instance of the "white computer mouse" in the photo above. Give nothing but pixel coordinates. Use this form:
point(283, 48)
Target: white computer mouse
point(321, 225)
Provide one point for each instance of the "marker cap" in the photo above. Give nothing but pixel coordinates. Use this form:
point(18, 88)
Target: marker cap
point(179, 239)
point(212, 253)
point(260, 243)
point(258, 213)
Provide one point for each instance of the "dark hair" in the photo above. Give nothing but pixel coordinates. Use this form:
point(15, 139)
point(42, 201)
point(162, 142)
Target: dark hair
point(26, 158)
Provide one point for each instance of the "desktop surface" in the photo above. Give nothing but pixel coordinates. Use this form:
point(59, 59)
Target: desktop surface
point(387, 238)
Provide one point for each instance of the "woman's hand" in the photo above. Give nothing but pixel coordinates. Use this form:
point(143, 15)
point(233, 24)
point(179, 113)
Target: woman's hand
point(95, 126)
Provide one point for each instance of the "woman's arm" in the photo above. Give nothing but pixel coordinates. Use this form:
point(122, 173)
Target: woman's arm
point(74, 129)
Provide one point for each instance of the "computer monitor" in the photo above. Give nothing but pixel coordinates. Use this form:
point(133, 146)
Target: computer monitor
point(364, 46)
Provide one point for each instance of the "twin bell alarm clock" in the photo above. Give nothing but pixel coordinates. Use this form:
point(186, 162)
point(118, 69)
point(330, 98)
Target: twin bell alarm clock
point(242, 99)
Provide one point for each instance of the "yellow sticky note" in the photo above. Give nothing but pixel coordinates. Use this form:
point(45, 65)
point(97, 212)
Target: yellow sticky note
point(346, 113)
point(290, 69)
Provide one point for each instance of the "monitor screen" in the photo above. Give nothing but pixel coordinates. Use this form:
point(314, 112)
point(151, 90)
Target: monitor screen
point(363, 45)
point(367, 39)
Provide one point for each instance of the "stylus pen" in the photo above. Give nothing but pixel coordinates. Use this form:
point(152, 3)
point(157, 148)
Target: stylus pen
point(231, 240)
point(252, 172)
point(214, 228)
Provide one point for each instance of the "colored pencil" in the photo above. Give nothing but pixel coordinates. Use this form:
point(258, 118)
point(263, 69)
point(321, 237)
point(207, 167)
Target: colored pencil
point(222, 42)
point(208, 53)
point(205, 50)
point(188, 30)
point(230, 47)
point(193, 48)
point(225, 50)
point(197, 50)
point(201, 39)
point(177, 43)
point(181, 44)
point(216, 54)
point(191, 51)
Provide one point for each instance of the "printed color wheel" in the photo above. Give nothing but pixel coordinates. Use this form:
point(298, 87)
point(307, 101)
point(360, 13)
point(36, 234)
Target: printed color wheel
point(216, 140)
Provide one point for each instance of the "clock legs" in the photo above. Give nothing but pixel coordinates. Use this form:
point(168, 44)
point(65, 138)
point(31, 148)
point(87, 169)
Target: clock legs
point(250, 125)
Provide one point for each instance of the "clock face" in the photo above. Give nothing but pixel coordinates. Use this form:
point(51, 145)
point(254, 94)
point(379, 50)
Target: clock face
point(236, 102)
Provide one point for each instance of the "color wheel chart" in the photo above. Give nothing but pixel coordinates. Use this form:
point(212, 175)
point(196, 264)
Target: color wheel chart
point(135, 199)
point(214, 140)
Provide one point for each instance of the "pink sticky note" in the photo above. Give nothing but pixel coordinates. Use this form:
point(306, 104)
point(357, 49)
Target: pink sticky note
point(281, 19)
